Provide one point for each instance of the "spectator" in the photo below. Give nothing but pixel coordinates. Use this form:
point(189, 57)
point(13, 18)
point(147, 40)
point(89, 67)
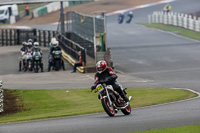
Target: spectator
point(80, 63)
point(27, 9)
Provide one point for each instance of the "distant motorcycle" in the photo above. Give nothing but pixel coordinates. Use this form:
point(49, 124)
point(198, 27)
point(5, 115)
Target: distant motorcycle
point(111, 101)
point(121, 18)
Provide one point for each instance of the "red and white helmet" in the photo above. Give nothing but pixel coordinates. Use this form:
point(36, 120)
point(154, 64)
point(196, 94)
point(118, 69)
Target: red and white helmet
point(101, 66)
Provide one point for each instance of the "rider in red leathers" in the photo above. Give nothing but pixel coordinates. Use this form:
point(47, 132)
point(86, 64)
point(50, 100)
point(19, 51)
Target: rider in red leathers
point(108, 75)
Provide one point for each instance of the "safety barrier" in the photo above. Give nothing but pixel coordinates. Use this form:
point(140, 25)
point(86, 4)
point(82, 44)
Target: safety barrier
point(54, 6)
point(176, 19)
point(10, 37)
point(1, 96)
point(72, 48)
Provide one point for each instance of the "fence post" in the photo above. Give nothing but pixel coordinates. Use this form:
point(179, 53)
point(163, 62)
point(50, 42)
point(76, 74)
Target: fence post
point(185, 21)
point(149, 19)
point(2, 37)
point(1, 96)
point(190, 22)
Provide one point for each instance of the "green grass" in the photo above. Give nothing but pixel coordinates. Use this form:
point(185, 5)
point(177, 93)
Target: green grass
point(186, 129)
point(178, 30)
point(2, 24)
point(39, 104)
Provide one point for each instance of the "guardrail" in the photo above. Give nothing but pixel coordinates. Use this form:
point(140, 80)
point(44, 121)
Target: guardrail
point(1, 96)
point(72, 48)
point(176, 19)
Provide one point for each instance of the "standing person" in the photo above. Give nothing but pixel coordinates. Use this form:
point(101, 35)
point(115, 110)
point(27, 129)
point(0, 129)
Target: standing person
point(108, 75)
point(79, 63)
point(27, 9)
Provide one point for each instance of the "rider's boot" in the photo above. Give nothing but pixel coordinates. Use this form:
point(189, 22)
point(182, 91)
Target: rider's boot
point(124, 97)
point(63, 65)
point(49, 68)
point(20, 65)
point(41, 66)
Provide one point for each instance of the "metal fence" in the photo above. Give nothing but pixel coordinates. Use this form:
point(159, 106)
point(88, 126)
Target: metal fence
point(84, 25)
point(72, 48)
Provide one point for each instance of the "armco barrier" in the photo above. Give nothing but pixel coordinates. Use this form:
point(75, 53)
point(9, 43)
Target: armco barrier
point(42, 11)
point(176, 19)
point(48, 9)
point(15, 36)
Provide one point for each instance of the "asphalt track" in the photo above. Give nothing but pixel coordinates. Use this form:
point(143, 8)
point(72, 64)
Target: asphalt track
point(157, 59)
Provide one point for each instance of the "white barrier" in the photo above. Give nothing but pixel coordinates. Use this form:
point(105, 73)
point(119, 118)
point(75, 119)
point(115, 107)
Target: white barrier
point(51, 7)
point(176, 19)
point(1, 96)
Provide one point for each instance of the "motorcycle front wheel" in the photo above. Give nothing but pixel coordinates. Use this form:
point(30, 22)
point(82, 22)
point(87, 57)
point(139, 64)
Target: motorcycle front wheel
point(36, 67)
point(110, 110)
point(57, 66)
point(127, 110)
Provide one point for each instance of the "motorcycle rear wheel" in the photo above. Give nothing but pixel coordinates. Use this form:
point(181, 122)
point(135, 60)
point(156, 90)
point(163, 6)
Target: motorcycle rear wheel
point(110, 110)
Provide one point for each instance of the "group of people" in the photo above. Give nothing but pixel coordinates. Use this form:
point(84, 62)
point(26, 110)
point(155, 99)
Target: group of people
point(28, 51)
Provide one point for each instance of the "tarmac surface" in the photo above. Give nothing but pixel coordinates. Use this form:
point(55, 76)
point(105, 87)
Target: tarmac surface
point(13, 79)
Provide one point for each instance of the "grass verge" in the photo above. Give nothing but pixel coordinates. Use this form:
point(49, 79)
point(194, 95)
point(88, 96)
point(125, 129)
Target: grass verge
point(186, 129)
point(40, 104)
point(178, 30)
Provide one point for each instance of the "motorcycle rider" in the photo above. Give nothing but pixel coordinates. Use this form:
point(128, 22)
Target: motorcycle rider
point(121, 18)
point(55, 47)
point(129, 16)
point(34, 50)
point(53, 39)
point(167, 8)
point(109, 77)
point(23, 57)
point(30, 40)
point(28, 56)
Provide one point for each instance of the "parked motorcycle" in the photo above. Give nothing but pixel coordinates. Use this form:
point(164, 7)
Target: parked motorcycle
point(37, 63)
point(28, 61)
point(57, 60)
point(111, 101)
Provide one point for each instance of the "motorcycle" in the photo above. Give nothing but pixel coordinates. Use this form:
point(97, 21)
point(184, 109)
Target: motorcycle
point(37, 64)
point(121, 18)
point(28, 61)
point(57, 60)
point(111, 101)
